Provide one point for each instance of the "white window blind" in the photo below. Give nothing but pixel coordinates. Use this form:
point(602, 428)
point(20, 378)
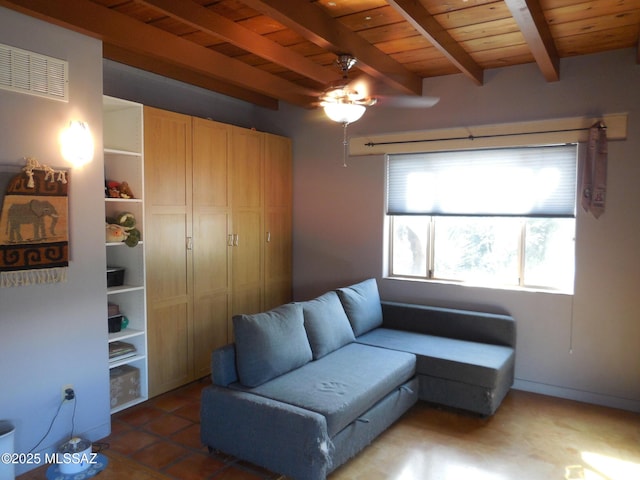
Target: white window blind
point(527, 181)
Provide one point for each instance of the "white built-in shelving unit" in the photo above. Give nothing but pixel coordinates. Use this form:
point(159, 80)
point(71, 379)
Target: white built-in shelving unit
point(124, 161)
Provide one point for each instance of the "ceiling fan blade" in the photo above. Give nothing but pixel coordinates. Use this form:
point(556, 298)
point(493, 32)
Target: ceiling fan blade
point(406, 101)
point(363, 84)
point(367, 88)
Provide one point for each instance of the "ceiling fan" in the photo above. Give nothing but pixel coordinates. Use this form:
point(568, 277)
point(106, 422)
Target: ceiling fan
point(346, 101)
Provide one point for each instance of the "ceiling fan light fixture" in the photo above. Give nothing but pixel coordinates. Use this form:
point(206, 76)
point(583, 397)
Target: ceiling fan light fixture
point(343, 104)
point(344, 112)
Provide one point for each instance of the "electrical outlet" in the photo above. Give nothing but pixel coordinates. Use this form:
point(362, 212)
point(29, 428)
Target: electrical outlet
point(65, 393)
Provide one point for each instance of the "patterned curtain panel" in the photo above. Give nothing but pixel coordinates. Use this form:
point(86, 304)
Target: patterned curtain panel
point(34, 220)
point(594, 171)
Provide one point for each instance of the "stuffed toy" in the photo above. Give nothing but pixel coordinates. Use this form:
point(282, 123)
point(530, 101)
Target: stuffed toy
point(121, 228)
point(125, 190)
point(115, 189)
point(115, 233)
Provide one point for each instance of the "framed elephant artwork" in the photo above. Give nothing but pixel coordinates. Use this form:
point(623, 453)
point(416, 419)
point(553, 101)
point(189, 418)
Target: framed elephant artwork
point(34, 221)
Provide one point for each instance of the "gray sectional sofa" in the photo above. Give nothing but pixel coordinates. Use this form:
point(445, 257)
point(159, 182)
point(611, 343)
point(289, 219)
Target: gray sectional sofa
point(308, 385)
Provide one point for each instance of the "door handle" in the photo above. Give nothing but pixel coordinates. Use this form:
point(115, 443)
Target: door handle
point(189, 243)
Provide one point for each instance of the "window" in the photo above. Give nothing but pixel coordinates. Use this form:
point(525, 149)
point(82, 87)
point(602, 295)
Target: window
point(503, 217)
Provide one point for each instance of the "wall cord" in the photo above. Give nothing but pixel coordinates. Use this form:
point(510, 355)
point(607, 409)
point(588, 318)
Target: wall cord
point(73, 418)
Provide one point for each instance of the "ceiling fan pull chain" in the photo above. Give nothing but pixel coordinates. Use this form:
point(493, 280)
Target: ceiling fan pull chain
point(345, 145)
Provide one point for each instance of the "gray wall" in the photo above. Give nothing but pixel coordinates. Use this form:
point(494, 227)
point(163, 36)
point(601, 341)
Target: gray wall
point(53, 335)
point(583, 346)
point(129, 83)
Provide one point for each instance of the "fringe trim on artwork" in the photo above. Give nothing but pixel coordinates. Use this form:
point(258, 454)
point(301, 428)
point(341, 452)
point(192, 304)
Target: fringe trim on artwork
point(33, 277)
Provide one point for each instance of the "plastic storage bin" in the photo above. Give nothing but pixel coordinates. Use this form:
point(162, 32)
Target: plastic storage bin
point(7, 469)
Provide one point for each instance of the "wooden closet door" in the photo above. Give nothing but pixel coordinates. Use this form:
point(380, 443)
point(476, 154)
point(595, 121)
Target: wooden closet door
point(247, 208)
point(211, 245)
point(278, 185)
point(167, 232)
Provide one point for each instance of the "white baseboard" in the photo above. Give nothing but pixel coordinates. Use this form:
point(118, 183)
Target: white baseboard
point(578, 395)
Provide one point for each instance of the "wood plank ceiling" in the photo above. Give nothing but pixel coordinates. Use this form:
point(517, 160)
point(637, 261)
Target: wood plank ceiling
point(263, 51)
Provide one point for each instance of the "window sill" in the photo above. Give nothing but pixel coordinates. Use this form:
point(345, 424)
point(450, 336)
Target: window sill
point(513, 288)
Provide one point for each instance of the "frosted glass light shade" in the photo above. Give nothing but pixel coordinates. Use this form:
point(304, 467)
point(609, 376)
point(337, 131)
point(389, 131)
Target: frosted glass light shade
point(344, 112)
point(76, 143)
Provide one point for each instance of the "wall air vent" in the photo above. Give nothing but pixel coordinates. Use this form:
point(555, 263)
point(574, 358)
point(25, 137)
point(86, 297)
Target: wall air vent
point(28, 72)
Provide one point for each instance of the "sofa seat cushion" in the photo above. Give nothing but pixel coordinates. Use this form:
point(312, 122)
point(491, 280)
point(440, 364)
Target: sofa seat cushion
point(460, 360)
point(342, 385)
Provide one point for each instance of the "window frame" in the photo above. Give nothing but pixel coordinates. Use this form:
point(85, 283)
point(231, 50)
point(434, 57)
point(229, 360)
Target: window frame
point(430, 260)
point(430, 249)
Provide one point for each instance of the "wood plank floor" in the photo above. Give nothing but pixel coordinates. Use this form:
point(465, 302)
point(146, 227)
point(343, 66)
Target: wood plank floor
point(531, 437)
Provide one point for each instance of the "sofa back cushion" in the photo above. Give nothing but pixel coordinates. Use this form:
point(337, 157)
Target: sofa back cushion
point(326, 324)
point(269, 344)
point(361, 302)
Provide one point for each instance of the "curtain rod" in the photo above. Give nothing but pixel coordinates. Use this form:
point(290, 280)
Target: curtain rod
point(600, 125)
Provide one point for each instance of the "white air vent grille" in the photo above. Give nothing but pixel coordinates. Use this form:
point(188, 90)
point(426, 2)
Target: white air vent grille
point(28, 72)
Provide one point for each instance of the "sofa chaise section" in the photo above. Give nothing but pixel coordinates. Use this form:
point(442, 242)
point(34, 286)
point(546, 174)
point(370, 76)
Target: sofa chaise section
point(465, 359)
point(458, 373)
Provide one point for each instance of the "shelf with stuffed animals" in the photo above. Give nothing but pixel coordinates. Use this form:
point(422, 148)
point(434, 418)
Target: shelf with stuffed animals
point(126, 320)
point(122, 228)
point(124, 253)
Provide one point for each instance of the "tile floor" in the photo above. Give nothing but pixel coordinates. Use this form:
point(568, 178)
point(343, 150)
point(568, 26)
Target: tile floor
point(531, 437)
point(164, 435)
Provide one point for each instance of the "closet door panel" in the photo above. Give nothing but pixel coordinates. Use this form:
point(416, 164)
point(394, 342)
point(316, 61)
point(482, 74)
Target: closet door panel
point(278, 258)
point(211, 273)
point(246, 301)
point(211, 240)
point(211, 315)
point(168, 266)
point(211, 164)
point(247, 208)
point(169, 345)
point(247, 169)
point(168, 145)
point(278, 185)
point(210, 252)
point(168, 232)
point(247, 261)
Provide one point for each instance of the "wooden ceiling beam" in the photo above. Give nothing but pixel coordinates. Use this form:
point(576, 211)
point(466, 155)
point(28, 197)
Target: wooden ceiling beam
point(166, 69)
point(311, 22)
point(122, 31)
point(425, 23)
point(530, 18)
point(210, 22)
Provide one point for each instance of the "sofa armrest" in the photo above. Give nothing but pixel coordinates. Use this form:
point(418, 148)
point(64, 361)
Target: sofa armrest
point(467, 325)
point(223, 365)
point(279, 437)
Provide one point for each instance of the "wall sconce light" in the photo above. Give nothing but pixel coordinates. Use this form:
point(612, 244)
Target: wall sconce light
point(76, 143)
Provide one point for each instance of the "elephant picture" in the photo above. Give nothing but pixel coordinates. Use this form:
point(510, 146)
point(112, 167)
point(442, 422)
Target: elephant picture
point(34, 224)
point(31, 213)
